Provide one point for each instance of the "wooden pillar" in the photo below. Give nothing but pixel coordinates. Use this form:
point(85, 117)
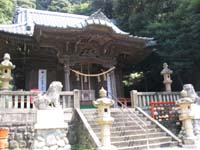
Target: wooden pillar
point(67, 77)
point(111, 84)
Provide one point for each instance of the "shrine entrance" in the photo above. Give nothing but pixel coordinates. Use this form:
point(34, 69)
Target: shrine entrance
point(89, 78)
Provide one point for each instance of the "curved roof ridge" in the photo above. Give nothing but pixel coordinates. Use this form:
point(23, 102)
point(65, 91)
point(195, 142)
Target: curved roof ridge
point(53, 13)
point(99, 15)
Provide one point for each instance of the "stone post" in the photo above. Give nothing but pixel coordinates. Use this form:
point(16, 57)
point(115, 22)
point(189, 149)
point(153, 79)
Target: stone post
point(6, 66)
point(134, 98)
point(104, 119)
point(186, 116)
point(166, 72)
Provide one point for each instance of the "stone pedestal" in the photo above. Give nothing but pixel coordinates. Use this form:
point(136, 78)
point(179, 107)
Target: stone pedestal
point(104, 119)
point(50, 119)
point(50, 131)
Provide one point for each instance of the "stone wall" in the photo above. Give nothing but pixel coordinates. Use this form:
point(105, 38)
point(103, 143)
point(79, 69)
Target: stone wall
point(20, 123)
point(78, 135)
point(51, 139)
point(20, 135)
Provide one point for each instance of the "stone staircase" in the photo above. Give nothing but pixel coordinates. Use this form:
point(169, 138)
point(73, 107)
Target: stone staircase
point(130, 133)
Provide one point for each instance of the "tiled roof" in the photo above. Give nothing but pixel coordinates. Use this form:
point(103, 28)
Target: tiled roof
point(26, 19)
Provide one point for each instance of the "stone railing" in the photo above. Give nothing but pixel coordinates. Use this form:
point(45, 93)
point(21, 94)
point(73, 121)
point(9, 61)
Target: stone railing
point(24, 99)
point(144, 99)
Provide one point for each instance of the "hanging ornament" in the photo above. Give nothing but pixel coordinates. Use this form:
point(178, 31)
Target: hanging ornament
point(104, 77)
point(85, 79)
point(77, 77)
point(99, 78)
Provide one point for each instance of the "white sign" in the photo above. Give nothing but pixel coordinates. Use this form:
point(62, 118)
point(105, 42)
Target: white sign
point(42, 80)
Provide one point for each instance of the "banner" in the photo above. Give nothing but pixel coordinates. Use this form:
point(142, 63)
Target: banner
point(42, 80)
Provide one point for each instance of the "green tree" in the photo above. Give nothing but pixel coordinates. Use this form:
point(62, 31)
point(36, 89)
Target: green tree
point(60, 6)
point(6, 11)
point(42, 4)
point(26, 3)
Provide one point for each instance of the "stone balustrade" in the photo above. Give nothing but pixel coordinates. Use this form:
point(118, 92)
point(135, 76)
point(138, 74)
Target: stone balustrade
point(144, 99)
point(24, 99)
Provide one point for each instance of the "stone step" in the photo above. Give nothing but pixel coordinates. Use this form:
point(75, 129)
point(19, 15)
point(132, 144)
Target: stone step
point(113, 113)
point(144, 147)
point(126, 133)
point(93, 123)
point(113, 110)
point(120, 118)
point(117, 128)
point(141, 141)
point(129, 132)
point(137, 136)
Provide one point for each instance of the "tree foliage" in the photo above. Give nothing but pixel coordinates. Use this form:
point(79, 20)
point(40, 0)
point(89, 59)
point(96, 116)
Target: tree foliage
point(6, 11)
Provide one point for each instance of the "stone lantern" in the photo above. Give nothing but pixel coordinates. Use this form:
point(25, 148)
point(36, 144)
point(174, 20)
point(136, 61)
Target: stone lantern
point(166, 72)
point(104, 119)
point(186, 116)
point(6, 66)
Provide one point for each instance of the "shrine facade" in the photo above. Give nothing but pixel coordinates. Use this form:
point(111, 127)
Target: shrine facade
point(83, 52)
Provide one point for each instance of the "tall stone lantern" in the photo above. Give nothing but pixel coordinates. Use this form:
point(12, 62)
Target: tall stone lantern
point(166, 72)
point(186, 116)
point(104, 119)
point(6, 67)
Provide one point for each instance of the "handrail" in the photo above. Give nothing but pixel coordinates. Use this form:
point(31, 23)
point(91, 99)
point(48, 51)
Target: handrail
point(88, 127)
point(160, 125)
point(145, 128)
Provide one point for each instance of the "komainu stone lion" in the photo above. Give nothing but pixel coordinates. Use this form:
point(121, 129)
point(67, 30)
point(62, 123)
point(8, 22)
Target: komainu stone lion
point(191, 93)
point(50, 99)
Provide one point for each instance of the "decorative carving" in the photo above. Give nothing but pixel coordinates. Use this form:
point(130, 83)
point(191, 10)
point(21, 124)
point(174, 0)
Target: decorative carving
point(50, 99)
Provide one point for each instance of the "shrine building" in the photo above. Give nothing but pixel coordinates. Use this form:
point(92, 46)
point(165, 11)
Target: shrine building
point(83, 52)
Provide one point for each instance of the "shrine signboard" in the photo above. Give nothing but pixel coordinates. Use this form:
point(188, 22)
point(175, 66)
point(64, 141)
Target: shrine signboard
point(42, 80)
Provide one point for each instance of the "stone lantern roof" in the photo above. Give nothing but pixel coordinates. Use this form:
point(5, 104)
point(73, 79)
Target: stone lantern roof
point(6, 63)
point(166, 70)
